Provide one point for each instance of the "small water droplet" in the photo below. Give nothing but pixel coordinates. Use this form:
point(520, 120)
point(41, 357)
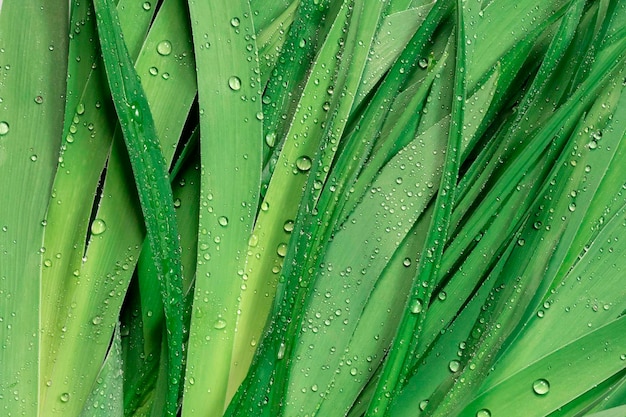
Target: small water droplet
point(288, 226)
point(234, 22)
point(234, 83)
point(33, 158)
point(265, 206)
point(146, 5)
point(454, 366)
point(483, 413)
point(281, 351)
point(98, 227)
point(39, 99)
point(302, 43)
point(4, 128)
point(219, 324)
point(223, 221)
point(65, 397)
point(164, 48)
point(303, 163)
point(281, 250)
point(541, 386)
point(270, 139)
point(416, 306)
point(423, 404)
point(192, 381)
point(423, 63)
point(353, 371)
point(96, 320)
point(571, 207)
point(154, 71)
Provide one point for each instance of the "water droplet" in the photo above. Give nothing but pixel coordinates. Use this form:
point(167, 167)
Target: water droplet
point(234, 83)
point(234, 22)
point(483, 413)
point(164, 48)
point(33, 158)
point(353, 371)
point(65, 397)
point(281, 351)
point(4, 128)
point(39, 99)
point(223, 221)
point(314, 388)
point(540, 313)
point(541, 386)
point(302, 43)
point(253, 241)
point(406, 262)
point(219, 324)
point(442, 296)
point(423, 404)
point(303, 163)
point(96, 320)
point(593, 144)
point(98, 227)
point(288, 226)
point(265, 206)
point(454, 366)
point(192, 381)
point(423, 63)
point(80, 109)
point(153, 71)
point(281, 250)
point(270, 139)
point(416, 306)
point(571, 207)
point(146, 6)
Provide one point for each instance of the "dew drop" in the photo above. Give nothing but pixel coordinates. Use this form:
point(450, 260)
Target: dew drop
point(98, 227)
point(265, 206)
point(541, 386)
point(234, 22)
point(454, 366)
point(288, 226)
point(423, 63)
point(483, 413)
point(154, 71)
point(219, 324)
point(192, 381)
point(223, 221)
point(423, 404)
point(80, 109)
point(270, 139)
point(33, 158)
point(65, 397)
point(281, 250)
point(234, 83)
point(96, 320)
point(303, 163)
point(281, 351)
point(416, 306)
point(571, 207)
point(164, 48)
point(147, 6)
point(39, 99)
point(4, 128)
point(353, 371)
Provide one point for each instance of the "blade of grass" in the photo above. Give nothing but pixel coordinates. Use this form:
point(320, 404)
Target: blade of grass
point(231, 135)
point(404, 345)
point(152, 183)
point(33, 36)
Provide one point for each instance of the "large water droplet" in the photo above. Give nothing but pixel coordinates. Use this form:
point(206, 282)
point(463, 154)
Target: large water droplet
point(98, 227)
point(164, 48)
point(4, 128)
point(234, 83)
point(281, 250)
point(234, 22)
point(416, 306)
point(223, 221)
point(65, 397)
point(541, 386)
point(146, 5)
point(483, 413)
point(454, 366)
point(303, 163)
point(270, 139)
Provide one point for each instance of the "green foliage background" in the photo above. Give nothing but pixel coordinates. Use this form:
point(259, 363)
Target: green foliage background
point(312, 208)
